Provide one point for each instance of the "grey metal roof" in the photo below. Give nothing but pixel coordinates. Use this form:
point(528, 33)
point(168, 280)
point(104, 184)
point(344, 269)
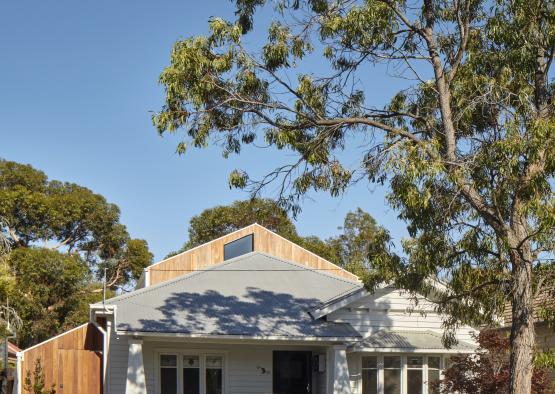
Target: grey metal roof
point(408, 341)
point(255, 295)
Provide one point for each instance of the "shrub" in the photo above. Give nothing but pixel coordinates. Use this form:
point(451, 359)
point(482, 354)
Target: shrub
point(487, 371)
point(37, 384)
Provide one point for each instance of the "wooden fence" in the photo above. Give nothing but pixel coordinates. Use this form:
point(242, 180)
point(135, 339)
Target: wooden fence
point(71, 362)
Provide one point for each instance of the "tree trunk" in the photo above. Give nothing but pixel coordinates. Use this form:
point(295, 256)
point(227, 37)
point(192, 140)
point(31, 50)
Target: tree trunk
point(522, 330)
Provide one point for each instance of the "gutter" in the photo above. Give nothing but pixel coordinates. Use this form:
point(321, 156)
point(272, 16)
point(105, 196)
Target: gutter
point(236, 337)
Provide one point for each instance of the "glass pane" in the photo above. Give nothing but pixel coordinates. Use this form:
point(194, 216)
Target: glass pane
point(214, 381)
point(414, 381)
point(168, 360)
point(191, 380)
point(392, 381)
point(392, 362)
point(414, 362)
point(370, 381)
point(214, 362)
point(433, 362)
point(238, 247)
point(369, 362)
point(168, 380)
point(433, 376)
point(191, 362)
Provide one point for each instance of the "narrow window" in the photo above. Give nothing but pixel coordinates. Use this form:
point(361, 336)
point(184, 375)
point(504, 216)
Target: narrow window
point(433, 374)
point(415, 369)
point(168, 374)
point(239, 247)
point(191, 375)
point(392, 374)
point(214, 374)
point(370, 375)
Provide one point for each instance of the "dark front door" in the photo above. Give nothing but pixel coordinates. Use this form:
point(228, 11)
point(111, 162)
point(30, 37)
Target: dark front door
point(292, 373)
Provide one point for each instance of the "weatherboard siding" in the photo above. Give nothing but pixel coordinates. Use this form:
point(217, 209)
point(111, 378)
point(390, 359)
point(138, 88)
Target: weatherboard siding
point(388, 308)
point(117, 364)
point(242, 364)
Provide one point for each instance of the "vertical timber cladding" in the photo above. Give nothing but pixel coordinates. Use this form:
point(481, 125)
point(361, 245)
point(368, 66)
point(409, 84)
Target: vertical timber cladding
point(72, 361)
point(213, 253)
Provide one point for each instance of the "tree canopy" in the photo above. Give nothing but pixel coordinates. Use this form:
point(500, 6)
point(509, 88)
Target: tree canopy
point(465, 148)
point(71, 218)
point(56, 239)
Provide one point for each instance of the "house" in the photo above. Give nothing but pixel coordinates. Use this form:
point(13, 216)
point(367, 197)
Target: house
point(250, 312)
point(545, 333)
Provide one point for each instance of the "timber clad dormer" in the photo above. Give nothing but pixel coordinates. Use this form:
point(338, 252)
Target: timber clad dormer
point(211, 253)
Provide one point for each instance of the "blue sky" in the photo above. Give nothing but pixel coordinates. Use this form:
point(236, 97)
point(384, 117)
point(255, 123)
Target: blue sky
point(78, 83)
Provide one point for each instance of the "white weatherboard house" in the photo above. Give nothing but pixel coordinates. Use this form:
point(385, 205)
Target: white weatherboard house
point(254, 313)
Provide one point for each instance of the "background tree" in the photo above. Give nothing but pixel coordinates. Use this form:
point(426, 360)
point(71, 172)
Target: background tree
point(62, 237)
point(69, 218)
point(48, 290)
point(362, 242)
point(215, 222)
point(465, 147)
point(360, 239)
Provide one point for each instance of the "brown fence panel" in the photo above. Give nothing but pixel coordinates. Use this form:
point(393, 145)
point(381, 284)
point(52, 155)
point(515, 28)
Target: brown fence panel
point(71, 361)
point(80, 371)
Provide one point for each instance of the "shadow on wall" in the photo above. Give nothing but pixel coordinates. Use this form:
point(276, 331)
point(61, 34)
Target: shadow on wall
point(258, 312)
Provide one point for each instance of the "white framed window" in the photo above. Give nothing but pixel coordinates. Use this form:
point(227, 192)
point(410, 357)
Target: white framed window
point(415, 372)
point(433, 372)
point(392, 374)
point(168, 373)
point(399, 373)
point(369, 375)
point(191, 373)
point(214, 375)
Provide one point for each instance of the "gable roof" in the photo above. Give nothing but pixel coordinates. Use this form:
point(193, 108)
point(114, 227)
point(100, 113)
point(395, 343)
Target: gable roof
point(408, 341)
point(255, 295)
point(212, 253)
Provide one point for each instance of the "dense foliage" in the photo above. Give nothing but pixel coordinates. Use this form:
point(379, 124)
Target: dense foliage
point(49, 290)
point(465, 147)
point(58, 240)
point(487, 371)
point(70, 218)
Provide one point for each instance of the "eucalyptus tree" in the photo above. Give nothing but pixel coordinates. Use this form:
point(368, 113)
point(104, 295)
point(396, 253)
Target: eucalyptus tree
point(70, 218)
point(466, 147)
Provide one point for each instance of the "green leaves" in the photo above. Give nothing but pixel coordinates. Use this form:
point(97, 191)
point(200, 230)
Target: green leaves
point(464, 146)
point(65, 216)
point(47, 291)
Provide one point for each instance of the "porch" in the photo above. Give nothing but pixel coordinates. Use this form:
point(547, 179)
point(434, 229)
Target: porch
point(160, 366)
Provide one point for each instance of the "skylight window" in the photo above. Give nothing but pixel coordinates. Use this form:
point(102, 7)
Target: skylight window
point(239, 247)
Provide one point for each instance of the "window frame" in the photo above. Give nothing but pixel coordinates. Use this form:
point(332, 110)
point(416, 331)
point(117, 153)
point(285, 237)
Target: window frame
point(404, 369)
point(202, 354)
point(159, 367)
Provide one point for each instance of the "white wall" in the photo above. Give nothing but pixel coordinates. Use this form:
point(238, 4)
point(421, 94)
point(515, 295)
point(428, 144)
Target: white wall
point(243, 376)
point(388, 308)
